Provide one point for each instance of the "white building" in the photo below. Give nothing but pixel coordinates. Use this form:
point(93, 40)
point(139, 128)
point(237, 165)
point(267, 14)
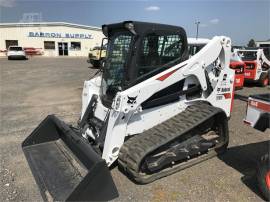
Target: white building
point(50, 38)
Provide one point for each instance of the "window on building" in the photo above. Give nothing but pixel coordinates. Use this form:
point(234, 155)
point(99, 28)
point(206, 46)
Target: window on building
point(49, 45)
point(11, 43)
point(75, 45)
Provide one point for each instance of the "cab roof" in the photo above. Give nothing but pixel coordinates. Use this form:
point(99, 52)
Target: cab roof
point(140, 27)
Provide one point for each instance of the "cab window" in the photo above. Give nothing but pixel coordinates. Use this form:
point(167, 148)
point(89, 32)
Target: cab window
point(158, 50)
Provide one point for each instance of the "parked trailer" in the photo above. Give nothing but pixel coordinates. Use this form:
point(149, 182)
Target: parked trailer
point(258, 117)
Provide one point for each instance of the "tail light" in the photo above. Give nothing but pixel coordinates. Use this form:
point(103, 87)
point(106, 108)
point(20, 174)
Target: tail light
point(239, 69)
point(250, 66)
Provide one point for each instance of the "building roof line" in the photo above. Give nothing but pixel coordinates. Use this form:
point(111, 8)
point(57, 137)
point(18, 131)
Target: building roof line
point(34, 24)
point(263, 41)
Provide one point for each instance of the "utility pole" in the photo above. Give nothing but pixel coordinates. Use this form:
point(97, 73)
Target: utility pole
point(197, 24)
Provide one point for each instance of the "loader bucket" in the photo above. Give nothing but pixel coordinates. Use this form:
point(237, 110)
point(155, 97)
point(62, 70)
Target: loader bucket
point(65, 166)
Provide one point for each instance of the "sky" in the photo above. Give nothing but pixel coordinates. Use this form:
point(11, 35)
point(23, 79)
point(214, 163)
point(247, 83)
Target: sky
point(241, 20)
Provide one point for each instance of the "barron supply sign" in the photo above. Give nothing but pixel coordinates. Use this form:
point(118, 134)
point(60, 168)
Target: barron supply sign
point(60, 35)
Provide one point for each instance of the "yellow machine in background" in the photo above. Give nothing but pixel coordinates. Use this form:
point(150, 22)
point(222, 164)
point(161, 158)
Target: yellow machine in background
point(97, 54)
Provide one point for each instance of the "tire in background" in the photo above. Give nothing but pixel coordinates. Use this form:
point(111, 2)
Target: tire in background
point(263, 176)
point(264, 80)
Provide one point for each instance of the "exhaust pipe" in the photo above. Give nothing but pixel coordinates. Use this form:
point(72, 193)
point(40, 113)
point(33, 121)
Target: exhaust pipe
point(65, 166)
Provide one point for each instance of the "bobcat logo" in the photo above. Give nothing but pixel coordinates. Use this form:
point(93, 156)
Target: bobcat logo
point(131, 100)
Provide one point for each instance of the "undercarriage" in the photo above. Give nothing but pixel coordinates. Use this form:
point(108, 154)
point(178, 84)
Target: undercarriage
point(198, 133)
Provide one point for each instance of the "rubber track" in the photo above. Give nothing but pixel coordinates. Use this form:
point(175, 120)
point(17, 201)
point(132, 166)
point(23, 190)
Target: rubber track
point(138, 147)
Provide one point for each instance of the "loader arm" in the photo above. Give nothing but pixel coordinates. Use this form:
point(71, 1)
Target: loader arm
point(262, 62)
point(217, 50)
point(264, 58)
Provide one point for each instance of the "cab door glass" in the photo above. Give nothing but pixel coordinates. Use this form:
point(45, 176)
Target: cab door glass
point(158, 50)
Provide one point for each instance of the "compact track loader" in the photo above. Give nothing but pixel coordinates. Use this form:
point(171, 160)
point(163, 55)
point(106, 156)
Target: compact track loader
point(239, 67)
point(152, 109)
point(97, 54)
point(257, 67)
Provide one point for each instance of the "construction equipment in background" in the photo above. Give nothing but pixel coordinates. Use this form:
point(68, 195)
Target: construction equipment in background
point(97, 55)
point(152, 109)
point(258, 117)
point(239, 66)
point(257, 66)
point(196, 44)
point(258, 112)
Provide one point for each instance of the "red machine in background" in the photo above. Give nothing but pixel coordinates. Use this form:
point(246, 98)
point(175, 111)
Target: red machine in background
point(238, 66)
point(257, 66)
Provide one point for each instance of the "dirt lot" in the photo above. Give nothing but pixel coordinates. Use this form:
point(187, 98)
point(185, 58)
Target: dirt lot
point(34, 88)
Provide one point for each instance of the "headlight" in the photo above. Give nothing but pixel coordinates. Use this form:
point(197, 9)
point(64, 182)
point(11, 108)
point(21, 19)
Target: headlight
point(130, 27)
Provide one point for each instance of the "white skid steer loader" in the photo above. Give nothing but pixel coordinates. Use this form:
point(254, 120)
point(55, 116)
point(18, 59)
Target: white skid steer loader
point(151, 109)
point(257, 66)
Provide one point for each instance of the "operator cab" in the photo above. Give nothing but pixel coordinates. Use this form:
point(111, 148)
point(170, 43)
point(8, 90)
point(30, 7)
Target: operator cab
point(249, 55)
point(137, 51)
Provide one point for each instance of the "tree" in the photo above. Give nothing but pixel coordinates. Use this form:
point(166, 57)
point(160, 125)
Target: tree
point(251, 43)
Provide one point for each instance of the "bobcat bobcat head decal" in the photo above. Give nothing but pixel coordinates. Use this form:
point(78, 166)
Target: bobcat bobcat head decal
point(131, 100)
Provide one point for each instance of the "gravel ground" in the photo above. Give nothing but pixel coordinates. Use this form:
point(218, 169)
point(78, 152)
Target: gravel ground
point(32, 89)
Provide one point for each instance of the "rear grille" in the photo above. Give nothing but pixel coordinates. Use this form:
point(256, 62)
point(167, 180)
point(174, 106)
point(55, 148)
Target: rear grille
point(239, 69)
